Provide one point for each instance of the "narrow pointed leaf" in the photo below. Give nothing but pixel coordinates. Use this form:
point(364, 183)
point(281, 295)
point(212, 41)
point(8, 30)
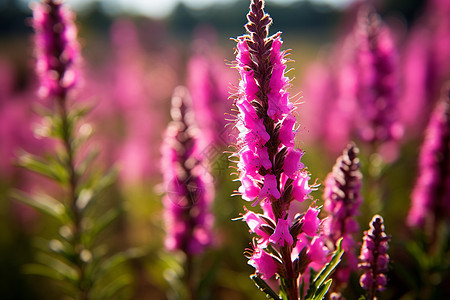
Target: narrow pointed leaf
point(264, 287)
point(44, 204)
point(101, 224)
point(325, 271)
point(47, 168)
point(68, 272)
point(320, 293)
point(114, 286)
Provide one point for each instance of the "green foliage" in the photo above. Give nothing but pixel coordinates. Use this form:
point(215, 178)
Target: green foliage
point(264, 287)
point(188, 282)
point(74, 257)
point(320, 284)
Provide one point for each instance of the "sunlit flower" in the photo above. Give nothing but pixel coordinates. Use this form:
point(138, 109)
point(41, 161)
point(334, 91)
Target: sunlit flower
point(187, 182)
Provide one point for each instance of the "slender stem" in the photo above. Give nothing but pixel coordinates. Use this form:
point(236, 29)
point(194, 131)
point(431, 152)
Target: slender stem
point(67, 139)
point(289, 283)
point(189, 277)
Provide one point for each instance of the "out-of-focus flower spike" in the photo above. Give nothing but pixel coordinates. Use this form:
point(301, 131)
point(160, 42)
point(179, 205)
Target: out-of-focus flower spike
point(57, 49)
point(374, 258)
point(431, 194)
point(188, 183)
point(342, 200)
point(376, 79)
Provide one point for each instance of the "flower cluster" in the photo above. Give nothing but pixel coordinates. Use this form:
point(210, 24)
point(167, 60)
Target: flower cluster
point(209, 89)
point(57, 48)
point(342, 200)
point(374, 259)
point(376, 79)
point(270, 168)
point(431, 194)
point(187, 182)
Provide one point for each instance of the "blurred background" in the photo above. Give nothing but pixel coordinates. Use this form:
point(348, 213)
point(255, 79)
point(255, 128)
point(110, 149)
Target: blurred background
point(134, 54)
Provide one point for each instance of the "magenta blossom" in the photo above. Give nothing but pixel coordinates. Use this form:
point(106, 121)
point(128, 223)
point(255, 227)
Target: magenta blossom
point(188, 184)
point(263, 262)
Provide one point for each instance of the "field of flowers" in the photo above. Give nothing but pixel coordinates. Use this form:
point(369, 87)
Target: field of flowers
point(140, 163)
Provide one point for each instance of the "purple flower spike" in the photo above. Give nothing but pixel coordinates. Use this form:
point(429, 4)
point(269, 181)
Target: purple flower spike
point(187, 181)
point(270, 168)
point(376, 79)
point(57, 49)
point(431, 194)
point(342, 200)
point(374, 259)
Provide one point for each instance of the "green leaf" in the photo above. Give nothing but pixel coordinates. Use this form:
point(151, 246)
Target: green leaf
point(88, 160)
point(302, 290)
point(44, 204)
point(67, 288)
point(208, 278)
point(99, 225)
point(41, 270)
point(114, 286)
point(325, 272)
point(114, 261)
point(264, 287)
point(89, 191)
point(320, 294)
point(46, 167)
point(69, 273)
point(59, 247)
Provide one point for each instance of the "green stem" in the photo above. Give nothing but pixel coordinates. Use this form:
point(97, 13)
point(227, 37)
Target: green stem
point(67, 139)
point(289, 283)
point(189, 277)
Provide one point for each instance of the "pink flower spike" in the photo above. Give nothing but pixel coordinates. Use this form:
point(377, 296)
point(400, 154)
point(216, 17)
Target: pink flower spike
point(270, 187)
point(282, 234)
point(311, 221)
point(263, 263)
point(292, 162)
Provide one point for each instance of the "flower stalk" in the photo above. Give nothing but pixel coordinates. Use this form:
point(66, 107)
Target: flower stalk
point(73, 256)
point(342, 200)
point(189, 188)
point(430, 205)
point(57, 52)
point(270, 168)
point(374, 259)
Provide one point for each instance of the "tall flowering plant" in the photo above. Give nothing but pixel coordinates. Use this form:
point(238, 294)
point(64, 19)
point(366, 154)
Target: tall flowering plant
point(430, 201)
point(374, 258)
point(270, 170)
point(376, 71)
point(73, 256)
point(342, 200)
point(189, 188)
point(431, 194)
